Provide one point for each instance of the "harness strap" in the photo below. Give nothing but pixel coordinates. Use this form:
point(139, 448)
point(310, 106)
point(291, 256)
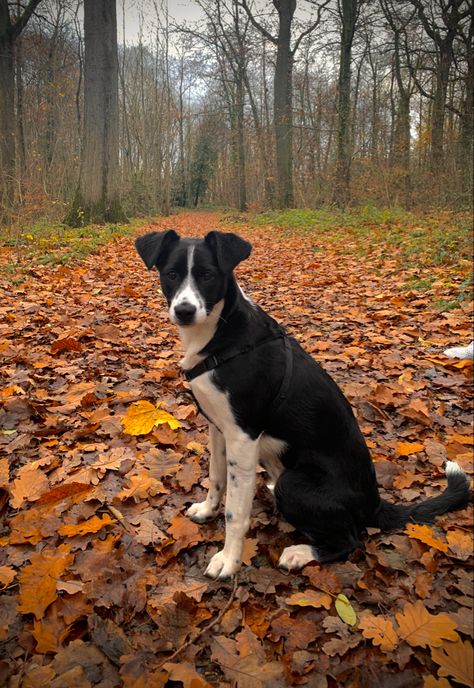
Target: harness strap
point(285, 383)
point(215, 360)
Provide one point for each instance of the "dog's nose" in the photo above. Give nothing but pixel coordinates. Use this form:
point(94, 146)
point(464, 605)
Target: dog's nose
point(185, 313)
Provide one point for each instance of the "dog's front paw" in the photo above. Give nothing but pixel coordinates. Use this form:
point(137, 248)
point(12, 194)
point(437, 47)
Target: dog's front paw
point(297, 556)
point(222, 566)
point(200, 512)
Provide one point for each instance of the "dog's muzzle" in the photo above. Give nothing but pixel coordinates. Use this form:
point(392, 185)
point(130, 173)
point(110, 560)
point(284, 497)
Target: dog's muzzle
point(184, 313)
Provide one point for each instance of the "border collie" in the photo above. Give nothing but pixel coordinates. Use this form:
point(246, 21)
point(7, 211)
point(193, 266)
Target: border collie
point(267, 401)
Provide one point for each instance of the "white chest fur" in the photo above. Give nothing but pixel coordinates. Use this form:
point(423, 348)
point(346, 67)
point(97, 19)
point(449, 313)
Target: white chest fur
point(215, 404)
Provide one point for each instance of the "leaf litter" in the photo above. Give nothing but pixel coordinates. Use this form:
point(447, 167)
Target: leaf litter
point(101, 574)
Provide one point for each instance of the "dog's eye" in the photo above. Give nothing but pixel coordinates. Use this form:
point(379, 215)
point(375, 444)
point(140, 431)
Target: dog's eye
point(207, 276)
point(172, 275)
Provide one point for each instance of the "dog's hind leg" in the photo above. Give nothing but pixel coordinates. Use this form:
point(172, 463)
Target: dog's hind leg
point(203, 511)
point(317, 511)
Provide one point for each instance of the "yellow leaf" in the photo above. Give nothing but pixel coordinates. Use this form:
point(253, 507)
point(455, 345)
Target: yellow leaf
point(456, 660)
point(420, 628)
point(380, 631)
point(142, 416)
point(425, 534)
point(345, 610)
point(92, 525)
point(310, 598)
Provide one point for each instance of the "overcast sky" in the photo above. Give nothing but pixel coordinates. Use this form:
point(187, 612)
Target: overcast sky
point(178, 11)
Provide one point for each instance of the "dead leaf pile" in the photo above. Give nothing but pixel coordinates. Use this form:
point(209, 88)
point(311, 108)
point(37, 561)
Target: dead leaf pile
point(102, 450)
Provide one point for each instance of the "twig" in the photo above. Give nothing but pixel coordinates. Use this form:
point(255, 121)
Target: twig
point(203, 630)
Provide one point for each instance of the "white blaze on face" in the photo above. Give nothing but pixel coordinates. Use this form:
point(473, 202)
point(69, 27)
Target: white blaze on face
point(188, 293)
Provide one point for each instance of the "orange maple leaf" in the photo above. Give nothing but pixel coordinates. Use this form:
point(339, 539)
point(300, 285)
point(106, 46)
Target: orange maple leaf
point(420, 628)
point(425, 534)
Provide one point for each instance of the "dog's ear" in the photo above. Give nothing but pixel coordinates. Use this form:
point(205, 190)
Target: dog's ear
point(228, 248)
point(154, 247)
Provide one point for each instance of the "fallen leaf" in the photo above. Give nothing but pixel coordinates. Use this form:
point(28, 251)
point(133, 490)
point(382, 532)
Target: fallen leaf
point(142, 486)
point(310, 598)
point(432, 682)
point(460, 543)
point(345, 610)
point(456, 660)
point(186, 674)
point(250, 549)
point(29, 486)
point(7, 574)
point(38, 580)
point(92, 525)
point(66, 344)
point(420, 628)
point(142, 416)
point(408, 448)
point(380, 631)
point(425, 534)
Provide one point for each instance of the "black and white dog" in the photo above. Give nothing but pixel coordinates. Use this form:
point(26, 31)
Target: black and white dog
point(268, 401)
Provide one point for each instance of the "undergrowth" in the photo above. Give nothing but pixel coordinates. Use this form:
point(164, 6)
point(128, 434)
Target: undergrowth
point(45, 242)
point(420, 244)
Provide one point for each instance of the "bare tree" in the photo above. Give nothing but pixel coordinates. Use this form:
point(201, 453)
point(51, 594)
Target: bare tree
point(349, 12)
point(97, 199)
point(10, 30)
point(442, 21)
point(283, 91)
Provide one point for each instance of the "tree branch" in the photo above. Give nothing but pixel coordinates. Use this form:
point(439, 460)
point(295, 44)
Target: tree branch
point(310, 28)
point(262, 29)
point(22, 21)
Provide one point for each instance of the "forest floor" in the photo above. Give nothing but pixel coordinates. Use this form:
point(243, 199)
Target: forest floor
point(101, 574)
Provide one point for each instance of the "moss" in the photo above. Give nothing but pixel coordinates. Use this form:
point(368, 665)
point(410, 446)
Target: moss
point(82, 213)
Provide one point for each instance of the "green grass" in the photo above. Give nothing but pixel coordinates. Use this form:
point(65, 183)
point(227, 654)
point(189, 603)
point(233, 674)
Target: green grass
point(51, 243)
point(421, 240)
point(421, 244)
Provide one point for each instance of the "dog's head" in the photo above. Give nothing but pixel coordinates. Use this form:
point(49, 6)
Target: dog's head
point(194, 273)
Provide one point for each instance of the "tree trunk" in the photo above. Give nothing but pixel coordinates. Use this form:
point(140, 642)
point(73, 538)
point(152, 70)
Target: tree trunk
point(282, 104)
point(439, 105)
point(7, 121)
point(465, 154)
point(401, 138)
point(9, 32)
point(239, 104)
point(97, 199)
point(343, 161)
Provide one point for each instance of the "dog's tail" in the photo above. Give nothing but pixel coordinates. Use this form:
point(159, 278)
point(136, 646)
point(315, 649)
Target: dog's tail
point(455, 496)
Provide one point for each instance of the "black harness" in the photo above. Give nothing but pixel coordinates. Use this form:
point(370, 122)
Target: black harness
point(214, 360)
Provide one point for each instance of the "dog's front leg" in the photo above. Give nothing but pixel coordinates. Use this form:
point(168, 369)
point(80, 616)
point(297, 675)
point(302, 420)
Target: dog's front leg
point(242, 458)
point(203, 511)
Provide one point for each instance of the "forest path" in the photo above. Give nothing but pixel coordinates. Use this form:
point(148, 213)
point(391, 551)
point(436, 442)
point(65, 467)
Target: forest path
point(103, 573)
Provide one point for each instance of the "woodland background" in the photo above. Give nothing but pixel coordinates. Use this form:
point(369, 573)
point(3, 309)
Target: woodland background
point(371, 99)
point(344, 128)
